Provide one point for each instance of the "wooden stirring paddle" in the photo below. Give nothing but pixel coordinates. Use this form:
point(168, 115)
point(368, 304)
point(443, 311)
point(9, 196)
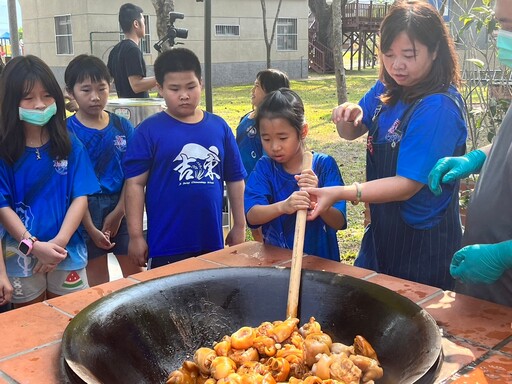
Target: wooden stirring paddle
point(297, 253)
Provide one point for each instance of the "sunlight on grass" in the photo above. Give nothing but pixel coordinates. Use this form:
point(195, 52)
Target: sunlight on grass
point(319, 96)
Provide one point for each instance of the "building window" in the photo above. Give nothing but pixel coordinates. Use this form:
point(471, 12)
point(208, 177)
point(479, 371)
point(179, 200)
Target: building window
point(63, 35)
point(227, 30)
point(286, 34)
point(145, 42)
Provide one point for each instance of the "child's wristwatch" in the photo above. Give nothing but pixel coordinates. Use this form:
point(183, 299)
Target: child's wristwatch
point(26, 245)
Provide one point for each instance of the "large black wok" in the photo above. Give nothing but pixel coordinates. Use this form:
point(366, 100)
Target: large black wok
point(143, 332)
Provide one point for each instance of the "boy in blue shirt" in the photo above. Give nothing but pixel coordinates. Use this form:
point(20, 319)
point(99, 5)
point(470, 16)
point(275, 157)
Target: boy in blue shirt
point(105, 137)
point(177, 164)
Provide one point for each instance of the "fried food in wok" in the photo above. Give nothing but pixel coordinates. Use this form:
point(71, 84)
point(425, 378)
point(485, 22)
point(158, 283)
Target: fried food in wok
point(281, 352)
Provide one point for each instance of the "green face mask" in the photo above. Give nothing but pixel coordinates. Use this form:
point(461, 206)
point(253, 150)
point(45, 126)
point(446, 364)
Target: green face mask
point(37, 117)
point(504, 45)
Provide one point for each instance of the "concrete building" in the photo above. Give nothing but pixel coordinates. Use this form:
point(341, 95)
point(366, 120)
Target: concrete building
point(57, 31)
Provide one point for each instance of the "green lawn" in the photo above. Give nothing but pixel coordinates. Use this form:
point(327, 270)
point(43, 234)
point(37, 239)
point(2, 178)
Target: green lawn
point(319, 96)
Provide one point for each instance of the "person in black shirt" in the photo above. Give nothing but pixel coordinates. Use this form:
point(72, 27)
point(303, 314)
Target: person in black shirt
point(125, 61)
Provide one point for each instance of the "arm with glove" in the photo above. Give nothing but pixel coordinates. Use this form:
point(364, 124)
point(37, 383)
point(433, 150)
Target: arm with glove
point(449, 169)
point(482, 263)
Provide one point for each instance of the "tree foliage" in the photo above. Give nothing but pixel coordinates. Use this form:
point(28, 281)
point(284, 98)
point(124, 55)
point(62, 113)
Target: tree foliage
point(486, 90)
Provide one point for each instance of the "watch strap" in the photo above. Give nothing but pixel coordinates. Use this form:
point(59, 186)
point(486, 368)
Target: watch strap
point(25, 246)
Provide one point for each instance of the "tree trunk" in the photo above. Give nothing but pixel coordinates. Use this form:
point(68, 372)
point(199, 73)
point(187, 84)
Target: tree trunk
point(13, 28)
point(162, 9)
point(323, 17)
point(337, 38)
point(268, 42)
point(265, 30)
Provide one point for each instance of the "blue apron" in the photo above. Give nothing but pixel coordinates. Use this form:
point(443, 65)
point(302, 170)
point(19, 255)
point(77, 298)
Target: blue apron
point(392, 246)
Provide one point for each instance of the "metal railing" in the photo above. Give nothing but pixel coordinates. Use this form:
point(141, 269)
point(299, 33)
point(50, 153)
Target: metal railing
point(321, 58)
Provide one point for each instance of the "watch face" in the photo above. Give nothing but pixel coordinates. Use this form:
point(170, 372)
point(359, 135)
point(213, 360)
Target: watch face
point(24, 248)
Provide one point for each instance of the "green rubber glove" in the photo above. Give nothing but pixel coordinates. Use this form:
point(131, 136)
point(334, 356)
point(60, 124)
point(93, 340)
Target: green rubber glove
point(482, 263)
point(449, 169)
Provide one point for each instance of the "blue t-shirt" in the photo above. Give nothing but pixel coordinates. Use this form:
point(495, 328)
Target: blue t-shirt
point(188, 165)
point(106, 148)
point(249, 143)
point(40, 192)
point(270, 183)
point(3, 203)
point(436, 129)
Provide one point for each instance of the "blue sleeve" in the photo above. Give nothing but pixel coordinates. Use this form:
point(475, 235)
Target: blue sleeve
point(4, 187)
point(240, 129)
point(258, 190)
point(128, 128)
point(436, 129)
point(139, 154)
point(328, 173)
point(234, 169)
point(84, 180)
point(369, 102)
point(70, 125)
point(5, 181)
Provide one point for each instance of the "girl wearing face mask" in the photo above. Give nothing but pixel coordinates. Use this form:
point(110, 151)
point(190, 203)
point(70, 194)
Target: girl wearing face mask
point(45, 177)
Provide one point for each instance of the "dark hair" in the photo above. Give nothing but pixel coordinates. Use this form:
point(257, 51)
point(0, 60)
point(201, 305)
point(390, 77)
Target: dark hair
point(176, 60)
point(17, 81)
point(272, 79)
point(128, 13)
point(423, 23)
point(282, 104)
point(85, 67)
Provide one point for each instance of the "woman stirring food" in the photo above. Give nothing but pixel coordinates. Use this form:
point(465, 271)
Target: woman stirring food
point(413, 116)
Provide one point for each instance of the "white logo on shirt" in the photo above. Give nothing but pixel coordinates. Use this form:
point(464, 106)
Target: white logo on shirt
point(25, 214)
point(61, 166)
point(197, 162)
point(392, 135)
point(251, 132)
point(120, 143)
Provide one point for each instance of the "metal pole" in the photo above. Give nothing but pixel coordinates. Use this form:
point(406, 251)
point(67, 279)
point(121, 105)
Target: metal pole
point(208, 54)
point(13, 28)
